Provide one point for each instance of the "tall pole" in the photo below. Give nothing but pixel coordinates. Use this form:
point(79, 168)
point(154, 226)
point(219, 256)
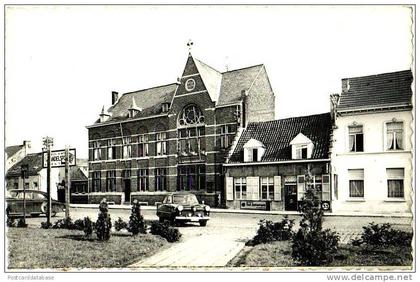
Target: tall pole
point(48, 142)
point(67, 181)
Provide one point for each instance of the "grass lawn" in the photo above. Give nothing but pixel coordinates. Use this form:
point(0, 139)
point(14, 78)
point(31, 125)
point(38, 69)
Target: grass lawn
point(31, 248)
point(278, 254)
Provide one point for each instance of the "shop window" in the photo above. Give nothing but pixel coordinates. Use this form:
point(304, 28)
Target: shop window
point(356, 138)
point(240, 188)
point(356, 183)
point(111, 181)
point(161, 144)
point(395, 179)
point(160, 179)
point(394, 136)
point(96, 181)
point(192, 177)
point(267, 188)
point(142, 179)
point(143, 147)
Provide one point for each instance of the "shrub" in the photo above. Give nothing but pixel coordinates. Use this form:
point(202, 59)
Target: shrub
point(45, 225)
point(21, 223)
point(88, 226)
point(383, 235)
point(120, 224)
point(78, 224)
point(311, 245)
point(273, 231)
point(136, 223)
point(103, 224)
point(65, 223)
point(171, 234)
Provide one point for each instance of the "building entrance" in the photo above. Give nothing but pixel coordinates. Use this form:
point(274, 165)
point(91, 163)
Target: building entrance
point(290, 197)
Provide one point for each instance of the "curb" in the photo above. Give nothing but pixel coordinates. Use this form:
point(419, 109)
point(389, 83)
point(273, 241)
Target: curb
point(341, 214)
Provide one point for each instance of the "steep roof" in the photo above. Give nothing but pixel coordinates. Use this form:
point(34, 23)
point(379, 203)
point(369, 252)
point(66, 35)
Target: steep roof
point(149, 100)
point(233, 82)
point(211, 77)
point(11, 150)
point(34, 162)
point(375, 91)
point(77, 174)
point(276, 135)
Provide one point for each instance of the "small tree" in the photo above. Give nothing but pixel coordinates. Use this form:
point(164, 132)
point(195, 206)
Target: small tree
point(313, 246)
point(136, 223)
point(103, 224)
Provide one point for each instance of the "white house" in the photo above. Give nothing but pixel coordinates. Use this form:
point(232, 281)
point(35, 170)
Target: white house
point(372, 144)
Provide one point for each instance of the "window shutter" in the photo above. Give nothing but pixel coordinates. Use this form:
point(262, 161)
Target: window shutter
point(253, 188)
point(395, 173)
point(301, 186)
point(277, 188)
point(229, 188)
point(326, 191)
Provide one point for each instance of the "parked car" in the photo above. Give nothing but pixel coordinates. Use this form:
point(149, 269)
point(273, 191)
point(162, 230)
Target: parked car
point(183, 207)
point(36, 203)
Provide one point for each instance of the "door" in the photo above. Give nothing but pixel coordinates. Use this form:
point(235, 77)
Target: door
point(290, 197)
point(127, 189)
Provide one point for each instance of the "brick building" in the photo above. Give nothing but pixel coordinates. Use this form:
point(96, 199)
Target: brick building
point(175, 137)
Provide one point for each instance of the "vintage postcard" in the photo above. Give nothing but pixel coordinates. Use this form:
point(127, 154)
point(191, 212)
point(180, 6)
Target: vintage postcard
point(209, 138)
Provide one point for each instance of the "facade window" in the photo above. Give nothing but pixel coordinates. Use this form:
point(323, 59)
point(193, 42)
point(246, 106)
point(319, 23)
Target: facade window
point(191, 141)
point(395, 181)
point(126, 148)
point(356, 138)
point(35, 185)
point(356, 183)
point(394, 136)
point(143, 148)
point(96, 181)
point(192, 177)
point(302, 152)
point(96, 151)
point(111, 152)
point(191, 115)
point(142, 179)
point(227, 134)
point(160, 179)
point(111, 181)
point(240, 188)
point(267, 188)
point(161, 144)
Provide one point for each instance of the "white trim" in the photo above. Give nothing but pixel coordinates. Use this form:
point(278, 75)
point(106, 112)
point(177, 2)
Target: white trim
point(367, 110)
point(229, 105)
point(278, 162)
point(372, 153)
point(190, 75)
point(188, 94)
point(125, 121)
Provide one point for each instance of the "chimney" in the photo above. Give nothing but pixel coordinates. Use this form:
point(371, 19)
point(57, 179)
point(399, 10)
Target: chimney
point(27, 145)
point(345, 85)
point(114, 97)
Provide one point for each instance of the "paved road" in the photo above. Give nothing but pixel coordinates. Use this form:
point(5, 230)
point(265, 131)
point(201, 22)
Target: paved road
point(224, 235)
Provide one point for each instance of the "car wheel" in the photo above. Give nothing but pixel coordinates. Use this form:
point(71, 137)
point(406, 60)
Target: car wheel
point(203, 223)
point(44, 207)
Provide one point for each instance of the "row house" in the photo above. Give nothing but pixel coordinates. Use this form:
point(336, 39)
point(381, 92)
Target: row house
point(372, 144)
point(175, 137)
point(274, 162)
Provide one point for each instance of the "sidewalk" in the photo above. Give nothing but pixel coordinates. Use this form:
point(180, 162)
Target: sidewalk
point(218, 210)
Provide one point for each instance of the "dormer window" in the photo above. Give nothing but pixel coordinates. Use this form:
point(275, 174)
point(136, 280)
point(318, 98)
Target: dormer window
point(165, 107)
point(253, 151)
point(134, 109)
point(302, 147)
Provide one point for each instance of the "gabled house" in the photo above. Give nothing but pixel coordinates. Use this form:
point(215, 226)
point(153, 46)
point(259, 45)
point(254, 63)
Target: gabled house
point(270, 163)
point(16, 153)
point(175, 137)
point(373, 145)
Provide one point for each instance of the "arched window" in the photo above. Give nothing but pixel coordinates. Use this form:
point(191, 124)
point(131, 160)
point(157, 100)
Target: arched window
point(191, 115)
point(191, 132)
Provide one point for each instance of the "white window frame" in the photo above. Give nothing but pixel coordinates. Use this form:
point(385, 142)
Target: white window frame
point(353, 178)
point(161, 144)
point(355, 141)
point(242, 183)
point(267, 182)
point(394, 136)
point(395, 178)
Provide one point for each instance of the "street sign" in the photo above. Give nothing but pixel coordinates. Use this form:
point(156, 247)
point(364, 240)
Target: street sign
point(58, 158)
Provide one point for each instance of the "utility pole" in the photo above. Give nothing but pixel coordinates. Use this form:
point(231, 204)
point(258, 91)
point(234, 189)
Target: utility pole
point(67, 182)
point(24, 171)
point(48, 143)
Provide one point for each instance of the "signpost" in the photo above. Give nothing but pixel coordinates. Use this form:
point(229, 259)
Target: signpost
point(24, 171)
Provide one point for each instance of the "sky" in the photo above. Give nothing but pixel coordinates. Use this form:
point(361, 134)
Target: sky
point(62, 62)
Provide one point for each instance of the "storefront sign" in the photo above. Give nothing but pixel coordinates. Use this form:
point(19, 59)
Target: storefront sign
point(254, 205)
point(58, 158)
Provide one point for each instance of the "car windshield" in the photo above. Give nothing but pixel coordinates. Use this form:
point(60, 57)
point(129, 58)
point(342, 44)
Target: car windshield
point(185, 199)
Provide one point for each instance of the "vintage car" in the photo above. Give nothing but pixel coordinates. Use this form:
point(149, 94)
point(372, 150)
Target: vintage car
point(183, 207)
point(36, 203)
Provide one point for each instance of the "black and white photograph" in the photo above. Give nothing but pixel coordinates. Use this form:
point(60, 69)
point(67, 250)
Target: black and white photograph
point(209, 138)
